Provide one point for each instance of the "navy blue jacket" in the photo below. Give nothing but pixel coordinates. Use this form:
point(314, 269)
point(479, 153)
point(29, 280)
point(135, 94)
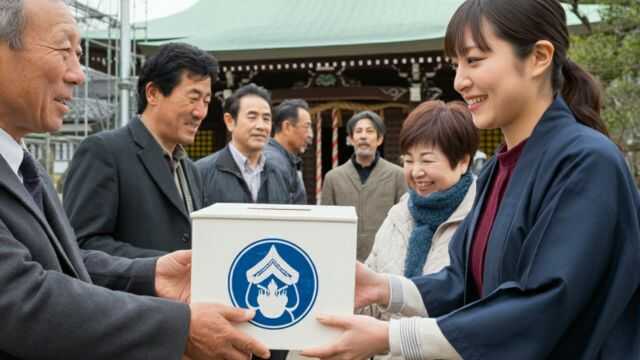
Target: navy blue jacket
point(562, 265)
point(288, 164)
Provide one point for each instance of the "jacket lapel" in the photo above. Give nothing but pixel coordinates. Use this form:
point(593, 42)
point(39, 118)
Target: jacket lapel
point(10, 181)
point(65, 241)
point(227, 164)
point(353, 175)
point(482, 185)
point(264, 191)
point(152, 158)
point(194, 188)
point(523, 174)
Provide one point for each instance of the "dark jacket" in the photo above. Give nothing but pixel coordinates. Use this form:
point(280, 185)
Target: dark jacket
point(561, 277)
point(54, 301)
point(121, 196)
point(223, 182)
point(288, 164)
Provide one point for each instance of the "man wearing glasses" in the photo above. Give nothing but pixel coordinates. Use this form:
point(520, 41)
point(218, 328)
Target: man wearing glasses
point(292, 134)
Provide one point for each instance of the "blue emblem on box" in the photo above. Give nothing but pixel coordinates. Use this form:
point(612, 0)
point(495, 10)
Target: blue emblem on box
point(277, 279)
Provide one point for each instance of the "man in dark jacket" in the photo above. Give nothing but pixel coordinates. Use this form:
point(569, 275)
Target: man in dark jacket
point(293, 132)
point(240, 172)
point(129, 191)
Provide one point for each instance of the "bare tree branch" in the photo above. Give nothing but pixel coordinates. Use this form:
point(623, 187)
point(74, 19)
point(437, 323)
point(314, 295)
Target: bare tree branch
point(583, 18)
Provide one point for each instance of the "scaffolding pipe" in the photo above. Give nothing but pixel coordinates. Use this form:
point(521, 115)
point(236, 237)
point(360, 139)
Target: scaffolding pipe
point(125, 61)
point(86, 88)
point(109, 83)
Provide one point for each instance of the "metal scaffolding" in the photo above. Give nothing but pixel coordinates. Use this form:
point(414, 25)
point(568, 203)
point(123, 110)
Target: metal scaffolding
point(107, 98)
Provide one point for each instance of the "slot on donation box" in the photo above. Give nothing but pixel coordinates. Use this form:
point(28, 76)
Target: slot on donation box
point(287, 262)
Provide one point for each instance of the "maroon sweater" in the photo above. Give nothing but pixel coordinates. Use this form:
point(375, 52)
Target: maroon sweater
point(507, 161)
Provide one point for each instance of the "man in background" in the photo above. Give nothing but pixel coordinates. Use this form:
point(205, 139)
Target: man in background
point(129, 191)
point(293, 132)
point(367, 181)
point(240, 172)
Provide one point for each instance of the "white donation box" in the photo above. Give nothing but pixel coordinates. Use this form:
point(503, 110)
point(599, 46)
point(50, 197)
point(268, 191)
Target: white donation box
point(287, 262)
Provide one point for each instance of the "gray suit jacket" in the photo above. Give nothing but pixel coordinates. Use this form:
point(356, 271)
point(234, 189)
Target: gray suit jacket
point(55, 301)
point(121, 197)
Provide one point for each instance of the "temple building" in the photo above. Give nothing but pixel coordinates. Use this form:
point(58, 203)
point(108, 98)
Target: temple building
point(340, 56)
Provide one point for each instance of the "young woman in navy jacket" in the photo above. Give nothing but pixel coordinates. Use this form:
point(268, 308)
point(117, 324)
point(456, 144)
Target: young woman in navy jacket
point(546, 266)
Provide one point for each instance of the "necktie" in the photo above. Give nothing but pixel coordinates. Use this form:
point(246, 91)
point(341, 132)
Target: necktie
point(34, 185)
point(31, 179)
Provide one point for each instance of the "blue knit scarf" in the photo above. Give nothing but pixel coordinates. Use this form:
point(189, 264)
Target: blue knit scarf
point(428, 213)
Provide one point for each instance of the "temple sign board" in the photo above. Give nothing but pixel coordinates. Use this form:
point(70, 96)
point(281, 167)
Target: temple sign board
point(289, 263)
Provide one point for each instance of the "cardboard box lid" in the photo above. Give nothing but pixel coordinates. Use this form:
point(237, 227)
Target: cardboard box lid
point(343, 214)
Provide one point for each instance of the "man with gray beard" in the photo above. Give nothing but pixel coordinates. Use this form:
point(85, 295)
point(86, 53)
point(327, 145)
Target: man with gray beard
point(367, 181)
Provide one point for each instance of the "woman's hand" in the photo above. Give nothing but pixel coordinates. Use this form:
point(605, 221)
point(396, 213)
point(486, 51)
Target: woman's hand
point(363, 337)
point(371, 287)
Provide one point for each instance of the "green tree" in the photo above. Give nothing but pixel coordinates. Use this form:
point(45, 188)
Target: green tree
point(611, 51)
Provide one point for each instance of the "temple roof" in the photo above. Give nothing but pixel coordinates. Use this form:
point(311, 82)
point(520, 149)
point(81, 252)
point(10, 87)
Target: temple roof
point(256, 29)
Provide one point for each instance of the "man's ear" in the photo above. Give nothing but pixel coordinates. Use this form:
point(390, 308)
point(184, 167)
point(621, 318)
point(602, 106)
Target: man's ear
point(286, 126)
point(541, 57)
point(229, 122)
point(152, 93)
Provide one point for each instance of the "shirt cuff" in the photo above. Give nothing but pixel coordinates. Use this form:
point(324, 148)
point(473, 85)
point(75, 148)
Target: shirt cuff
point(404, 297)
point(419, 339)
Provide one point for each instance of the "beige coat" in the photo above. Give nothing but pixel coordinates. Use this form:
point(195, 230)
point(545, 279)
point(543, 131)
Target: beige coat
point(372, 201)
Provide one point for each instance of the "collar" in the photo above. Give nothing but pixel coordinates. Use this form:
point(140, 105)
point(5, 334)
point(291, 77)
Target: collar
point(178, 152)
point(243, 162)
point(360, 167)
point(509, 158)
point(11, 151)
point(294, 159)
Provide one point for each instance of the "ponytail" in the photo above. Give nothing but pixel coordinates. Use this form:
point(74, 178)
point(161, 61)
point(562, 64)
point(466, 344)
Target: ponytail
point(583, 95)
point(522, 23)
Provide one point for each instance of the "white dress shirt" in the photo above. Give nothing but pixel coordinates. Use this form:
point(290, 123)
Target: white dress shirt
point(252, 176)
point(11, 151)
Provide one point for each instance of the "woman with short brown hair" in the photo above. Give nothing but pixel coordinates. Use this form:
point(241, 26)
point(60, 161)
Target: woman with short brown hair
point(437, 142)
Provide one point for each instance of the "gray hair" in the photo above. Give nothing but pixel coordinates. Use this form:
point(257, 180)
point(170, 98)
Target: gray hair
point(375, 120)
point(12, 22)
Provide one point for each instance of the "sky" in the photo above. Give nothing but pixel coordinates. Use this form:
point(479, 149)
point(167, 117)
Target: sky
point(141, 10)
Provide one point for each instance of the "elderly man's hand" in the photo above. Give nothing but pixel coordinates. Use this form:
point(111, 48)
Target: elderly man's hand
point(212, 335)
point(173, 276)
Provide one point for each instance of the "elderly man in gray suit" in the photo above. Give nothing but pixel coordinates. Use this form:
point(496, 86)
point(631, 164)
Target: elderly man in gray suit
point(57, 301)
